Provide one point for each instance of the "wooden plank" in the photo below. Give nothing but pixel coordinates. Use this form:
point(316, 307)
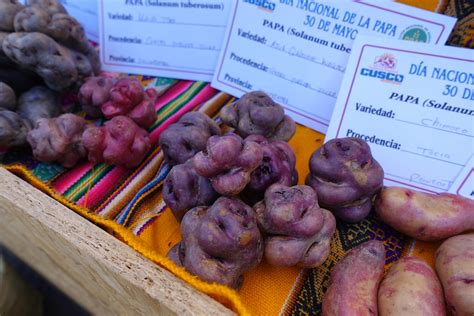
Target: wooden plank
point(102, 274)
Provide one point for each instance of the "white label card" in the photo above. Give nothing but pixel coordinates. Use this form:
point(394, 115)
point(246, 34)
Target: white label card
point(464, 183)
point(297, 50)
point(177, 39)
point(413, 104)
point(85, 11)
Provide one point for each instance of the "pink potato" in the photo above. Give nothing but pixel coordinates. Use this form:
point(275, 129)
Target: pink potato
point(354, 282)
point(119, 142)
point(411, 287)
point(455, 267)
point(425, 216)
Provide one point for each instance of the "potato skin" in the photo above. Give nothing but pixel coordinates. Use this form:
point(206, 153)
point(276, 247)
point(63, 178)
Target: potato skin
point(277, 166)
point(256, 113)
point(185, 138)
point(7, 97)
point(95, 92)
point(228, 162)
point(299, 231)
point(37, 103)
point(425, 216)
point(13, 129)
point(219, 242)
point(8, 10)
point(455, 267)
point(59, 66)
point(346, 177)
point(184, 189)
point(58, 139)
point(119, 141)
point(354, 282)
point(411, 287)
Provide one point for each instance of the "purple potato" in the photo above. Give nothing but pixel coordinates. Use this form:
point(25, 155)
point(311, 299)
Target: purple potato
point(184, 189)
point(13, 129)
point(277, 166)
point(346, 177)
point(182, 140)
point(59, 66)
point(228, 162)
point(219, 242)
point(37, 103)
point(7, 97)
point(256, 113)
point(298, 231)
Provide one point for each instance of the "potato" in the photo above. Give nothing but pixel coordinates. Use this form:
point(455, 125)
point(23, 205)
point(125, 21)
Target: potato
point(425, 216)
point(411, 287)
point(37, 103)
point(119, 142)
point(346, 177)
point(52, 6)
point(228, 162)
point(455, 267)
point(184, 189)
point(59, 66)
point(256, 113)
point(95, 92)
point(60, 26)
point(8, 10)
point(58, 139)
point(277, 166)
point(13, 129)
point(7, 97)
point(219, 242)
point(298, 231)
point(127, 97)
point(183, 139)
point(355, 280)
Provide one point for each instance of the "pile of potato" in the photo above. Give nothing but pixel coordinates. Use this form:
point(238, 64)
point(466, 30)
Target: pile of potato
point(411, 287)
point(66, 138)
point(42, 40)
point(223, 186)
point(44, 55)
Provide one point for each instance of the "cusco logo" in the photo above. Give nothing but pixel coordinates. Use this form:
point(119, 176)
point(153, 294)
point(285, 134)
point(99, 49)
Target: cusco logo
point(385, 61)
point(384, 68)
point(264, 4)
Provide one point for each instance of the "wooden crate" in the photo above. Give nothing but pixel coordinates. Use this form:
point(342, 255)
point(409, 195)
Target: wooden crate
point(99, 272)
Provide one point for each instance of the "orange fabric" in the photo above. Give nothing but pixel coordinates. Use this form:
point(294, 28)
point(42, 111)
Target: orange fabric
point(429, 5)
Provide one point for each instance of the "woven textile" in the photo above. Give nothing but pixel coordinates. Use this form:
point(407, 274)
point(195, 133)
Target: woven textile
point(128, 202)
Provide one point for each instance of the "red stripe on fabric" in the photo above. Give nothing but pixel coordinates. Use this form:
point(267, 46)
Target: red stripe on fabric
point(102, 187)
point(205, 94)
point(68, 178)
point(130, 177)
point(172, 93)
